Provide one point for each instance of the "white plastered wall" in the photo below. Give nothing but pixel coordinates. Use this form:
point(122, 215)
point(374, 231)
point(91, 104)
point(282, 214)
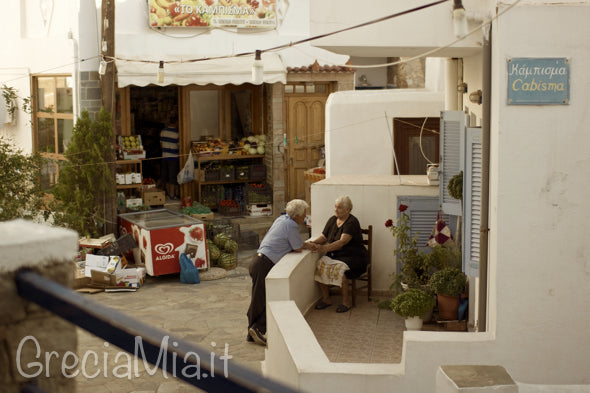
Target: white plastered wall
point(359, 126)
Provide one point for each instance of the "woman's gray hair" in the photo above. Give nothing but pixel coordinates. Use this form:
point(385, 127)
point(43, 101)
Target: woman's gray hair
point(345, 202)
point(296, 207)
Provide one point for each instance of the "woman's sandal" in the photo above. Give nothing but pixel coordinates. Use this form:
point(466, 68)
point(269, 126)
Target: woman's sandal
point(342, 308)
point(321, 305)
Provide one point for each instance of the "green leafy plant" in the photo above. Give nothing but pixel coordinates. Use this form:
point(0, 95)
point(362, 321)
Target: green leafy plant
point(448, 281)
point(85, 179)
point(441, 257)
point(412, 303)
point(10, 96)
point(21, 195)
point(414, 270)
point(455, 186)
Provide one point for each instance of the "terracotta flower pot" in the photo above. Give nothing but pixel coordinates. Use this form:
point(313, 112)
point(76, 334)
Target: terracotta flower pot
point(448, 306)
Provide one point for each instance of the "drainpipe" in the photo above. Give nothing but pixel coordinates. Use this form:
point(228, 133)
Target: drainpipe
point(485, 178)
point(451, 103)
point(76, 93)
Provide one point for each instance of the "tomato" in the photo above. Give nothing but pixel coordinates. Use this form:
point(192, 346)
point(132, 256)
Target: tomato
point(174, 9)
point(209, 2)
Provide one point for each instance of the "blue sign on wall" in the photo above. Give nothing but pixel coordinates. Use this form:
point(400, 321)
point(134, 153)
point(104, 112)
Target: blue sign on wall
point(538, 81)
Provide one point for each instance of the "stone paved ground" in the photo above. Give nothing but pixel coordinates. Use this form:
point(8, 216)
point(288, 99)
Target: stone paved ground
point(209, 312)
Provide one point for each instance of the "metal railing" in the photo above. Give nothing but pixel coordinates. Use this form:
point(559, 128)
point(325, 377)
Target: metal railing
point(125, 332)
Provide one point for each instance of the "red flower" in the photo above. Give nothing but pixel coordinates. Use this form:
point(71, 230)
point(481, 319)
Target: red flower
point(402, 207)
point(389, 223)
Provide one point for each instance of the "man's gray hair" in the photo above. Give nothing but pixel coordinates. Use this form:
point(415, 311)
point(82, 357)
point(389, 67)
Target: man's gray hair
point(296, 207)
point(345, 202)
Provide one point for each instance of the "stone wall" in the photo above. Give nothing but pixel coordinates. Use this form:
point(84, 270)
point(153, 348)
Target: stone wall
point(90, 93)
point(29, 334)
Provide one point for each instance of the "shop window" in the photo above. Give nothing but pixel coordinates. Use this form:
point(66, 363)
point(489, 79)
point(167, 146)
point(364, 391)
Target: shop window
point(204, 114)
point(53, 122)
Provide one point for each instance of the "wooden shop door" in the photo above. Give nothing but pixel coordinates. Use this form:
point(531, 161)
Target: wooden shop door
point(305, 137)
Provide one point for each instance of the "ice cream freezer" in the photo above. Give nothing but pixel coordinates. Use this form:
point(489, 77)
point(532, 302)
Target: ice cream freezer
point(162, 235)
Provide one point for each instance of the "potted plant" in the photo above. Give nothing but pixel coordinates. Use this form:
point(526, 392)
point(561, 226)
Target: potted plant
point(414, 272)
point(448, 284)
point(412, 305)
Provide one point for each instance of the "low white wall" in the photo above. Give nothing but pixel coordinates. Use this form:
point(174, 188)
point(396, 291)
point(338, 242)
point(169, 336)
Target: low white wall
point(294, 356)
point(374, 199)
point(292, 279)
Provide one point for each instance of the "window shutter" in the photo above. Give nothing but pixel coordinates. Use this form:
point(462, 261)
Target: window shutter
point(472, 201)
point(422, 211)
point(452, 127)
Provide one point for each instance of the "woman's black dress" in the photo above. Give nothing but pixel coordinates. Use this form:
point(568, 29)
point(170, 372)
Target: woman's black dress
point(354, 253)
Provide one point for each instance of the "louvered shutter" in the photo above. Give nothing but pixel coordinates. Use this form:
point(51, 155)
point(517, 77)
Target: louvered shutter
point(472, 201)
point(452, 127)
point(422, 211)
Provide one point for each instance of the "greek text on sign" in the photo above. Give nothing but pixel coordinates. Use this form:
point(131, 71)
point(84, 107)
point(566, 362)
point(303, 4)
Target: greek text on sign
point(213, 13)
point(538, 81)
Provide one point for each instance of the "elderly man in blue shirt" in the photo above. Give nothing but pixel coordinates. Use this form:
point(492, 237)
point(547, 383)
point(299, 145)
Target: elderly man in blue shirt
point(282, 237)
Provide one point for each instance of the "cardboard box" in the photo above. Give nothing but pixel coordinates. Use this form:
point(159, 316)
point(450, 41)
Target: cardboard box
point(154, 197)
point(134, 202)
point(120, 178)
point(95, 262)
point(129, 178)
point(204, 217)
point(132, 277)
point(133, 155)
point(260, 210)
point(103, 278)
point(136, 178)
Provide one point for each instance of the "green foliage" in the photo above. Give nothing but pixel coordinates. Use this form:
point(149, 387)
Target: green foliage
point(85, 180)
point(415, 267)
point(448, 281)
point(20, 190)
point(412, 303)
point(455, 186)
point(441, 257)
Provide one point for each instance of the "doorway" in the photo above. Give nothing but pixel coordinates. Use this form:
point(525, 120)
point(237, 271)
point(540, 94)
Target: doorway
point(416, 144)
point(305, 105)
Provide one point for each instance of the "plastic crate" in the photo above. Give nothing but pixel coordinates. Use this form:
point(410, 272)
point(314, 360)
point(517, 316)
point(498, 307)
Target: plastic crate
point(242, 172)
point(260, 210)
point(209, 197)
point(229, 210)
point(212, 174)
point(227, 173)
point(257, 172)
point(254, 194)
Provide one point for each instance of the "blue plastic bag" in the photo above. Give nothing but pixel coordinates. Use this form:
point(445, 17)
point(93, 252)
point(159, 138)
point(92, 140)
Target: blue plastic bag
point(189, 274)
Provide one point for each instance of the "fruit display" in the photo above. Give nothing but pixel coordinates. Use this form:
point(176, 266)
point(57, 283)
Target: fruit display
point(196, 208)
point(130, 142)
point(211, 146)
point(254, 144)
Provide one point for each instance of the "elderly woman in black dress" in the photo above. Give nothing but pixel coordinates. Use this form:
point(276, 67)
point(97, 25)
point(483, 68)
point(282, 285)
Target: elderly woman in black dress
point(341, 240)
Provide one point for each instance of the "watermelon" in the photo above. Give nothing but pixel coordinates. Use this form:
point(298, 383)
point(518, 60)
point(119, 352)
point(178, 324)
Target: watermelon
point(230, 246)
point(227, 261)
point(220, 239)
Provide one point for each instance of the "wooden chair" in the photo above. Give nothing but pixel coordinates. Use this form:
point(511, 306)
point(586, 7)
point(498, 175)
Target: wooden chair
point(366, 276)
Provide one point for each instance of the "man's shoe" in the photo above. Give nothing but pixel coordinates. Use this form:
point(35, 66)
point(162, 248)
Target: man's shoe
point(257, 336)
point(249, 338)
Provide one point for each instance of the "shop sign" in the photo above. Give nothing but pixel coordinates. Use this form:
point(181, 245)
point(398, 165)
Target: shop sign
point(213, 13)
point(538, 81)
